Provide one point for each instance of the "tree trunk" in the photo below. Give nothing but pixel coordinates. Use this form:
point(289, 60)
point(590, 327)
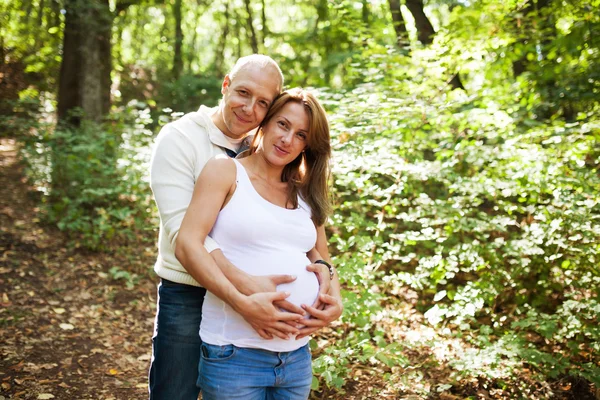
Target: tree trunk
point(524, 28)
point(177, 57)
point(399, 24)
point(55, 21)
point(425, 30)
point(40, 14)
point(425, 33)
point(265, 28)
point(237, 33)
point(220, 53)
point(250, 26)
point(192, 53)
point(86, 62)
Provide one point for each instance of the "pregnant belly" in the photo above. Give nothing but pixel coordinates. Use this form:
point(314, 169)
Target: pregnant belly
point(303, 290)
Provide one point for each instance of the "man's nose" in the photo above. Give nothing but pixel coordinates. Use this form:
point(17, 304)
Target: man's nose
point(248, 107)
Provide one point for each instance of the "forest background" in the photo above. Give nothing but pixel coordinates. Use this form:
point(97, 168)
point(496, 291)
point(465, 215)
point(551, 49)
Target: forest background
point(466, 170)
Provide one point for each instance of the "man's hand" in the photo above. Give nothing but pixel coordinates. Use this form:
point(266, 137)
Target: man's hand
point(268, 283)
point(321, 318)
point(260, 311)
point(322, 273)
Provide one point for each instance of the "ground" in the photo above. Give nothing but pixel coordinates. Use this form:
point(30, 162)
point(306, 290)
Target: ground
point(74, 324)
point(68, 328)
point(78, 325)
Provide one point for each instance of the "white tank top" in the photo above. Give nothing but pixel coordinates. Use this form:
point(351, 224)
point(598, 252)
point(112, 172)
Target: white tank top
point(260, 238)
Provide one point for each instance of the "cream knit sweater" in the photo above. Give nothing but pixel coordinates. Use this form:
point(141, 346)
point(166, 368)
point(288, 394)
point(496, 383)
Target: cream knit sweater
point(180, 151)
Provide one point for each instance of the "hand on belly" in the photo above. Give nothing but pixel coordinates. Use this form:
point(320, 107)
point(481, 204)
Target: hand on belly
point(303, 290)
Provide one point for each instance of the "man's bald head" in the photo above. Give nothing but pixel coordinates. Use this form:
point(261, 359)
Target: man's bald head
point(265, 63)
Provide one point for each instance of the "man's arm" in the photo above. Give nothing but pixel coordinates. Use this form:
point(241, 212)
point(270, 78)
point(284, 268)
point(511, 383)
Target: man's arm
point(172, 179)
point(214, 186)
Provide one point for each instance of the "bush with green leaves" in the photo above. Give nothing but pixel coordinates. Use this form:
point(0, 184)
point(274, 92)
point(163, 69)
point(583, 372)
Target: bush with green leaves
point(491, 215)
point(94, 177)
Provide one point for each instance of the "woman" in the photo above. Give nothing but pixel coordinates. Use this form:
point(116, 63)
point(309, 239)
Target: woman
point(265, 211)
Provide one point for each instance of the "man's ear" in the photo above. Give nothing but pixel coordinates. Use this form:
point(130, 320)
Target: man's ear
point(225, 84)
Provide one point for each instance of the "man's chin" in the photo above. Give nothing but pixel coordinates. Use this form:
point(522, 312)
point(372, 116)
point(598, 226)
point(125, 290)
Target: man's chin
point(241, 132)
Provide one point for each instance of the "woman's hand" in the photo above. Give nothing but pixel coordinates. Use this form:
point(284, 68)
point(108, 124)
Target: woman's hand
point(332, 310)
point(268, 283)
point(261, 311)
point(322, 273)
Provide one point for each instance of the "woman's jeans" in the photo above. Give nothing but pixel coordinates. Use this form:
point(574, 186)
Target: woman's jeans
point(176, 342)
point(229, 372)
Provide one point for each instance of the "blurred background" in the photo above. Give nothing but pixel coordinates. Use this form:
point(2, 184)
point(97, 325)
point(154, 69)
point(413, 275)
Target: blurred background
point(466, 179)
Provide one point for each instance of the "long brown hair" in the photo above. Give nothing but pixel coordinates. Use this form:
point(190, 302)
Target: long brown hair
point(308, 174)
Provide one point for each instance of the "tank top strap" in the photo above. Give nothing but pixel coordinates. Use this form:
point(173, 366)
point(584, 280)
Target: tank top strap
point(241, 176)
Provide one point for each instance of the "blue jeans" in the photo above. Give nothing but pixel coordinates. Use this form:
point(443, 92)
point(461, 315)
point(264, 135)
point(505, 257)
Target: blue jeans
point(176, 342)
point(229, 372)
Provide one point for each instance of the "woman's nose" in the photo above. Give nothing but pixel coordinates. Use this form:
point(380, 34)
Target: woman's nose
point(287, 137)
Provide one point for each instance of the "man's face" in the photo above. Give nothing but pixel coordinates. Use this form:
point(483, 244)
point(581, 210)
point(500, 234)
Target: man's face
point(246, 99)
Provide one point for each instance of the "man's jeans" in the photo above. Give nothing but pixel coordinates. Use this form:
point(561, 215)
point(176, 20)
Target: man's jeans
point(229, 372)
point(176, 342)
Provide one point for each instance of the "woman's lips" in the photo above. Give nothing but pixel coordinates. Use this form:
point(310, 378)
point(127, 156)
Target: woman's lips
point(281, 151)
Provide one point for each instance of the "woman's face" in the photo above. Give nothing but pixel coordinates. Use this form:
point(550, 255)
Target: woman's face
point(286, 134)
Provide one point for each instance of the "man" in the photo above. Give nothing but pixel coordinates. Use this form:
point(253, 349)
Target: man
point(181, 150)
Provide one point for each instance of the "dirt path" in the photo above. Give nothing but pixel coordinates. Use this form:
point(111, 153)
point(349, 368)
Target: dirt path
point(68, 328)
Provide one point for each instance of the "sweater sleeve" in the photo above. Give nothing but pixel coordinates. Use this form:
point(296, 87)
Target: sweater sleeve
point(172, 179)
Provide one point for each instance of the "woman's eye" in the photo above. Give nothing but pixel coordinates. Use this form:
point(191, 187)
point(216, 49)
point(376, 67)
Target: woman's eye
point(264, 104)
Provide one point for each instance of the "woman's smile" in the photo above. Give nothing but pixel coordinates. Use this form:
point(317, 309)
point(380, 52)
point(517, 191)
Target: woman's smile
point(280, 151)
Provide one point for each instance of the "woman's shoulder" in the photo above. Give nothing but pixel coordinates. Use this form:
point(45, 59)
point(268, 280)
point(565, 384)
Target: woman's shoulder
point(221, 161)
point(220, 167)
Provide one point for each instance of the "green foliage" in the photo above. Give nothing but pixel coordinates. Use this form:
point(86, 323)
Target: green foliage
point(490, 215)
point(93, 178)
point(480, 207)
point(31, 33)
point(130, 279)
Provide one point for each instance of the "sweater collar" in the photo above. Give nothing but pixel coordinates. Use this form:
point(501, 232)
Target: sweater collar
point(203, 118)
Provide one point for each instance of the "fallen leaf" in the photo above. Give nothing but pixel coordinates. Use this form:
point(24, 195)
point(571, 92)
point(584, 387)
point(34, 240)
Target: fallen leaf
point(45, 396)
point(67, 327)
point(141, 385)
point(113, 371)
point(5, 385)
point(59, 310)
point(67, 361)
point(18, 367)
point(144, 357)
